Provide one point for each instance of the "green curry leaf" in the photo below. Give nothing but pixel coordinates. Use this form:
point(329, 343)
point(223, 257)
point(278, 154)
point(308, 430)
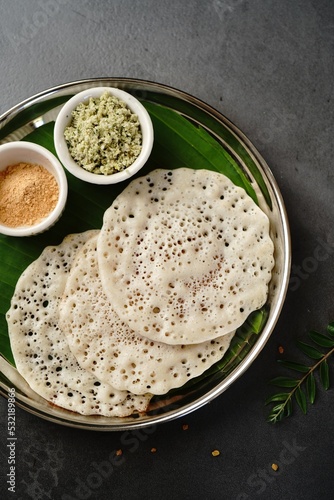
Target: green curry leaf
point(307, 380)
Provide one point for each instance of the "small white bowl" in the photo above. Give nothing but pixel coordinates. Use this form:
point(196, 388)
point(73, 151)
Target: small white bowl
point(16, 152)
point(64, 118)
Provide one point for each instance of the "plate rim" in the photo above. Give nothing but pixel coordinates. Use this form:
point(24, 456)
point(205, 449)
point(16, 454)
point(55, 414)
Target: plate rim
point(241, 368)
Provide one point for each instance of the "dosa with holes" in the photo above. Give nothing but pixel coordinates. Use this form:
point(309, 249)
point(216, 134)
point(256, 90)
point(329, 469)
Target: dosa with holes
point(184, 256)
point(40, 348)
point(105, 346)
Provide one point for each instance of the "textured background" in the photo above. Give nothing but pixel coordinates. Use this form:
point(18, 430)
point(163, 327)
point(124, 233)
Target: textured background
point(268, 66)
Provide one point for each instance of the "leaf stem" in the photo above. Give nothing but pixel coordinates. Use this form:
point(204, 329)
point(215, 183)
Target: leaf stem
point(292, 392)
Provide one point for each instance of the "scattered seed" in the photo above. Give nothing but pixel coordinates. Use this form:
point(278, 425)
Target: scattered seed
point(119, 453)
point(215, 453)
point(153, 450)
point(185, 427)
point(281, 349)
point(274, 467)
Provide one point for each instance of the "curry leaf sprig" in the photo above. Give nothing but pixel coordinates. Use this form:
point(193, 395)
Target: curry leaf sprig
point(303, 389)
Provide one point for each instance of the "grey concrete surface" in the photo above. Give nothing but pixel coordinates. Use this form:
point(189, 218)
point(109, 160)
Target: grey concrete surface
point(268, 66)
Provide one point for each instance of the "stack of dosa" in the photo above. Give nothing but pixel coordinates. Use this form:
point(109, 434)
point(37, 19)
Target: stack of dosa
point(147, 303)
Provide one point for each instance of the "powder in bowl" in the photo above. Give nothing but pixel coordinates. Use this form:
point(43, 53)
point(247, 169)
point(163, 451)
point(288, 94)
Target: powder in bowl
point(28, 193)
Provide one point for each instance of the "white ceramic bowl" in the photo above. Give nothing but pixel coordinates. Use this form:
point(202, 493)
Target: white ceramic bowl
point(64, 117)
point(19, 151)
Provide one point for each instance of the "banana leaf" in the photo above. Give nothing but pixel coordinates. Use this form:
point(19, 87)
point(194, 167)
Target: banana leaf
point(178, 143)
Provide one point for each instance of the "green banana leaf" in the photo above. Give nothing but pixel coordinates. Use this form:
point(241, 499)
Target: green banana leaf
point(31, 113)
point(205, 118)
point(178, 143)
point(183, 143)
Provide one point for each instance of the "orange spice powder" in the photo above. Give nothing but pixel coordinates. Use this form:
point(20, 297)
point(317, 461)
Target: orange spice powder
point(28, 193)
